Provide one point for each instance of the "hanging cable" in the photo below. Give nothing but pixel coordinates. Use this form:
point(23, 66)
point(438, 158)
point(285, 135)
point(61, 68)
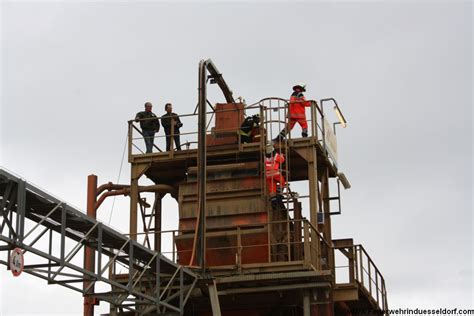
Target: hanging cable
point(118, 178)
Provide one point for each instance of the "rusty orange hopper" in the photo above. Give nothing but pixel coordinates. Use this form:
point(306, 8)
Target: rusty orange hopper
point(235, 210)
point(236, 207)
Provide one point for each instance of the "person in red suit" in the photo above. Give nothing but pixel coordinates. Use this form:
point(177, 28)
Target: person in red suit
point(296, 112)
point(275, 180)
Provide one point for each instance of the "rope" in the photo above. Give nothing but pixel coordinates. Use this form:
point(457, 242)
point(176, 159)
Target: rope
point(118, 178)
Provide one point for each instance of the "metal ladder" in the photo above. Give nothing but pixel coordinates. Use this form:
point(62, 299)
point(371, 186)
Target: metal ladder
point(274, 120)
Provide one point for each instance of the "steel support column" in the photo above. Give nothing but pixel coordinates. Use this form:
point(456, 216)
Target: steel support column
point(157, 230)
point(314, 196)
point(306, 305)
point(137, 171)
point(89, 253)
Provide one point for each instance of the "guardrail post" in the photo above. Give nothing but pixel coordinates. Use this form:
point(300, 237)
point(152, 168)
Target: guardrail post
point(377, 287)
point(314, 130)
point(351, 265)
point(171, 138)
point(361, 266)
point(370, 276)
point(172, 246)
point(356, 259)
point(307, 250)
point(297, 233)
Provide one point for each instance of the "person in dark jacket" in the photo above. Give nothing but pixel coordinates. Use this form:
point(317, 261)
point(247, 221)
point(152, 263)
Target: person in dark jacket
point(247, 127)
point(171, 123)
point(150, 124)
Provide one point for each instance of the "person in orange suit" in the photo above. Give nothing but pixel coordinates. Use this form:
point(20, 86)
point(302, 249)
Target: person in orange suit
point(297, 112)
point(275, 180)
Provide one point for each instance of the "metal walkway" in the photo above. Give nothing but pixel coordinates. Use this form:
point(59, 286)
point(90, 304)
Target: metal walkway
point(51, 234)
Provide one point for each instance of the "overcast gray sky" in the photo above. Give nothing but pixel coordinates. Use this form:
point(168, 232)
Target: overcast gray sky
point(72, 74)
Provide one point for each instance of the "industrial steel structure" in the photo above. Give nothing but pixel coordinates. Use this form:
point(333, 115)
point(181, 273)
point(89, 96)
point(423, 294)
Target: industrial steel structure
point(238, 248)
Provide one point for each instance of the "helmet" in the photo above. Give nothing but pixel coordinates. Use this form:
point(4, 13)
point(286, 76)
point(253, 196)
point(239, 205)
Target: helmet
point(256, 118)
point(268, 149)
point(301, 85)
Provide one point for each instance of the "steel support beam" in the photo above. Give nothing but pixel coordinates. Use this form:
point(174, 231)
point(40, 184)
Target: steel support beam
point(63, 225)
point(214, 297)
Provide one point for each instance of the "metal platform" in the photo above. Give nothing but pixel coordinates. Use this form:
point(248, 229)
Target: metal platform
point(34, 221)
point(170, 167)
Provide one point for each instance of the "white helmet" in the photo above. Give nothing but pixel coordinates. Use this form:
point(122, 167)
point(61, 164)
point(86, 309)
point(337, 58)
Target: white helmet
point(300, 85)
point(269, 149)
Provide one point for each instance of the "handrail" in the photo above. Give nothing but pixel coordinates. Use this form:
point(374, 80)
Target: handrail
point(308, 239)
point(315, 123)
point(358, 272)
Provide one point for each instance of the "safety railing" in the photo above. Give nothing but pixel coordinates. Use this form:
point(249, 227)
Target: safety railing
point(360, 269)
point(302, 244)
point(272, 111)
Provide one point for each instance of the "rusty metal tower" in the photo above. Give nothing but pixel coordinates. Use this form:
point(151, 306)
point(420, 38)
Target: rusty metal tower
point(239, 248)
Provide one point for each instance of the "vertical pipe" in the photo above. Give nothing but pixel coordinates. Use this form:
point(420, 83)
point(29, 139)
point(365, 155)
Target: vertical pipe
point(201, 167)
point(89, 255)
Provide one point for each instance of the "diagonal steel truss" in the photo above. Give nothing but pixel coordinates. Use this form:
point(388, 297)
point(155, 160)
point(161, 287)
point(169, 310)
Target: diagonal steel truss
point(52, 235)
